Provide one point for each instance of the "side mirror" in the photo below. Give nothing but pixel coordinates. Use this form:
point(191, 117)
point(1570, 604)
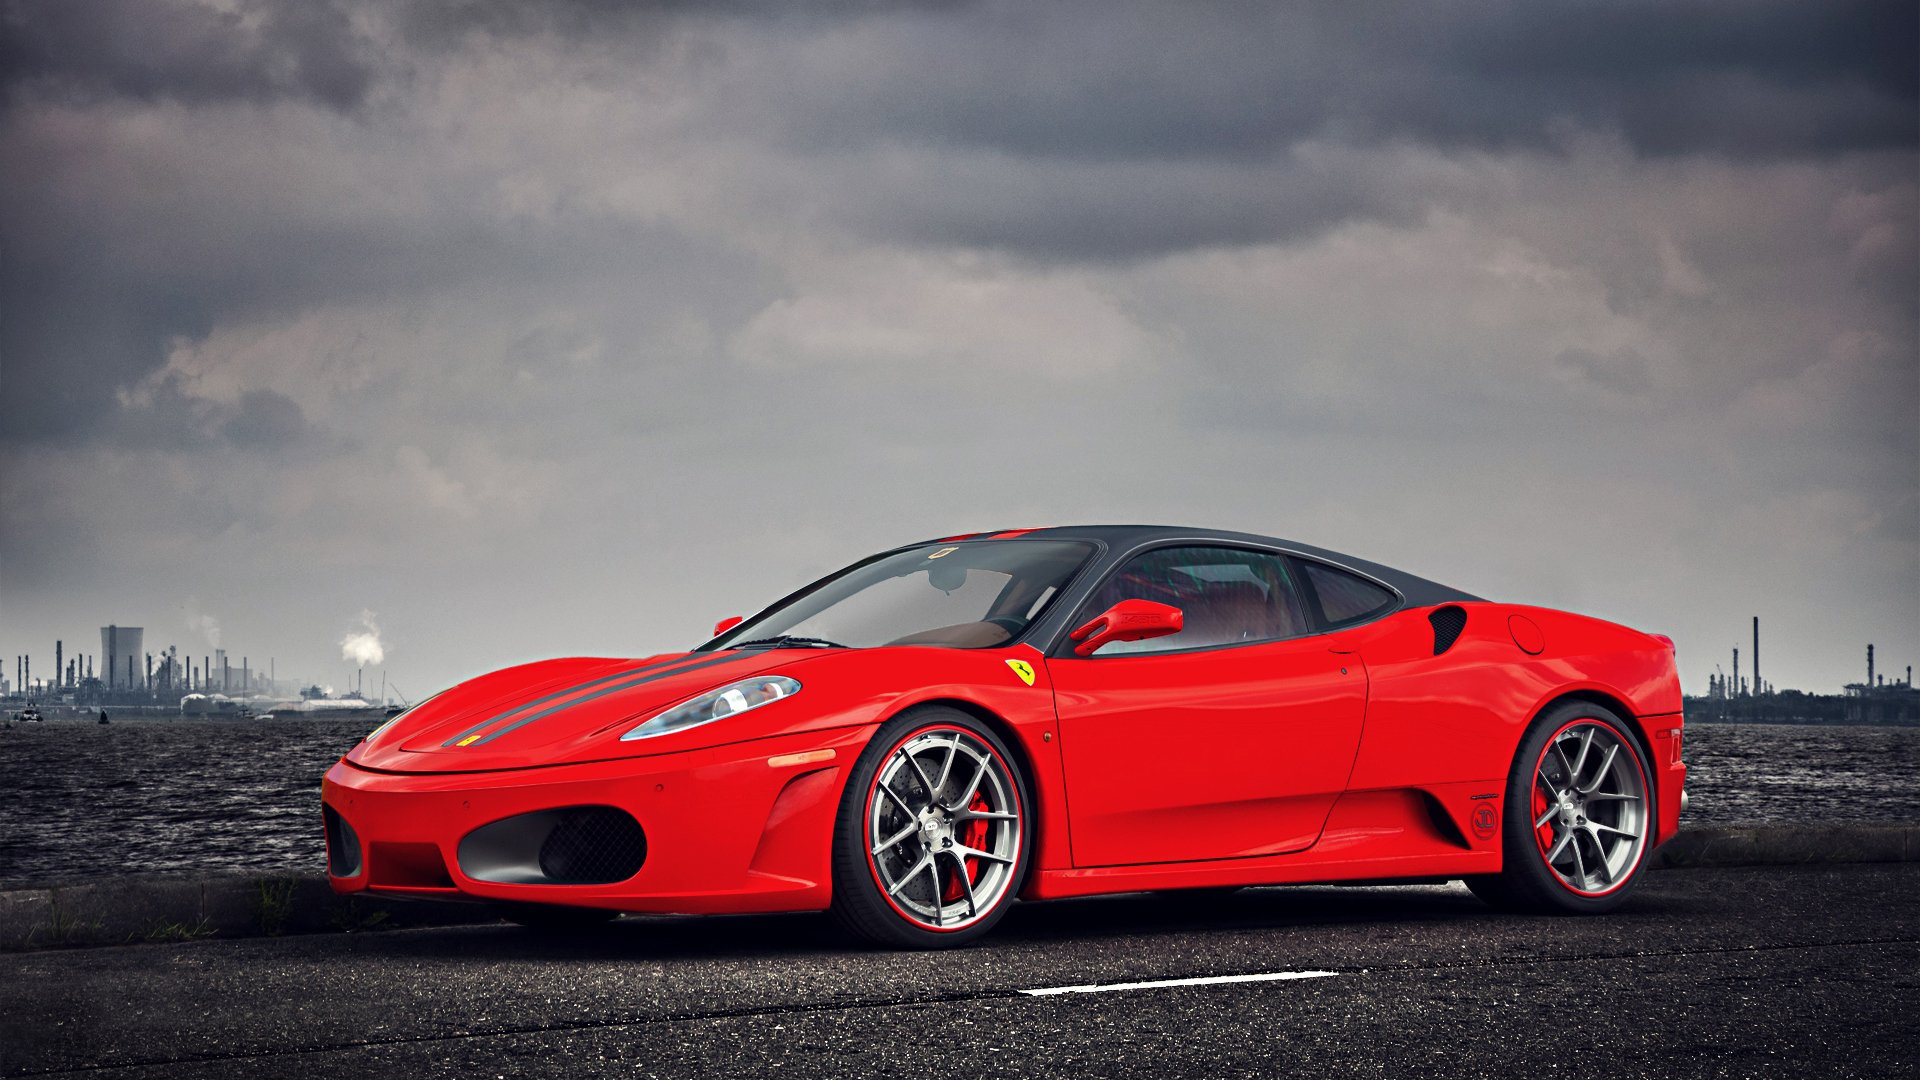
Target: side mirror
point(1128, 620)
point(726, 624)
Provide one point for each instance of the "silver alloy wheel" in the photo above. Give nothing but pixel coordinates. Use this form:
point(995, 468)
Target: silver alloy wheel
point(943, 828)
point(1589, 807)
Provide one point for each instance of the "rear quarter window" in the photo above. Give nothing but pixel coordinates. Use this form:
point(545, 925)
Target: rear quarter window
point(1346, 598)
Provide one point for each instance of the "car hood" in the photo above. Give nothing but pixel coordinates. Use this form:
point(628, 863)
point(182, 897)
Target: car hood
point(559, 711)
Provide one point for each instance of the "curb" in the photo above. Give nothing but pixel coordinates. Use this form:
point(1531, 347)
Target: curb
point(160, 908)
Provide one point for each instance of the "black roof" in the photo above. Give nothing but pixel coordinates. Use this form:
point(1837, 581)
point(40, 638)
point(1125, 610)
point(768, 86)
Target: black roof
point(1121, 540)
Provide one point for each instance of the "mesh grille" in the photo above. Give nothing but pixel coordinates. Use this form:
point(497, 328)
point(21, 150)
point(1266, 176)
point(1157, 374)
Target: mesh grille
point(1447, 624)
point(593, 845)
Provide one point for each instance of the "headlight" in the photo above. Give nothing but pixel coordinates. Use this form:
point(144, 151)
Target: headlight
point(729, 700)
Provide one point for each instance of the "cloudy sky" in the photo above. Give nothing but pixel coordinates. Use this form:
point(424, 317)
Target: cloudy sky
point(541, 329)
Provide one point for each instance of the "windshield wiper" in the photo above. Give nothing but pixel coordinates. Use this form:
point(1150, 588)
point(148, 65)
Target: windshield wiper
point(790, 641)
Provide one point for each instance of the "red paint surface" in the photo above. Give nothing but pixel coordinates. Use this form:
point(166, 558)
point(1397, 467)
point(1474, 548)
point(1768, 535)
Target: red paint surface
point(1212, 754)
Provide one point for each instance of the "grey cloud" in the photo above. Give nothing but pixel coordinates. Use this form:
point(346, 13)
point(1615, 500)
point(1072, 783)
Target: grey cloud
point(1624, 371)
point(1222, 80)
point(265, 420)
point(443, 22)
point(188, 51)
point(620, 318)
point(1075, 210)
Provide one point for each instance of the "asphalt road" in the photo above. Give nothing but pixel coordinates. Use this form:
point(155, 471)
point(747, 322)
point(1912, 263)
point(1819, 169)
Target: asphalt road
point(1783, 971)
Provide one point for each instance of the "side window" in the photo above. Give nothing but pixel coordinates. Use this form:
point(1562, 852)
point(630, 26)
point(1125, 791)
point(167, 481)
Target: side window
point(1345, 598)
point(1227, 595)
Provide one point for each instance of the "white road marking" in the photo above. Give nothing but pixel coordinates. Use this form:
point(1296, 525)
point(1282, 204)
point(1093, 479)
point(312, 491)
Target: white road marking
point(1209, 980)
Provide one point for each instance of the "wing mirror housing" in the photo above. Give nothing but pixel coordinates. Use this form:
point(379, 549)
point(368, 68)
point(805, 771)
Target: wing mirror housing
point(726, 624)
point(1128, 620)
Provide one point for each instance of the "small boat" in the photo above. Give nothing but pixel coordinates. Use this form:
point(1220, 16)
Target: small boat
point(30, 715)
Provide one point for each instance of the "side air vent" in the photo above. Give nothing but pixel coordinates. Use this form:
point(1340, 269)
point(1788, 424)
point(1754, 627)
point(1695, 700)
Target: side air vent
point(1447, 623)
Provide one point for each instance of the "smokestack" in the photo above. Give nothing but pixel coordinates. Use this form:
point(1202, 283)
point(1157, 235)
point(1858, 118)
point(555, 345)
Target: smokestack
point(59, 662)
point(1736, 671)
point(1869, 665)
point(1757, 684)
point(246, 676)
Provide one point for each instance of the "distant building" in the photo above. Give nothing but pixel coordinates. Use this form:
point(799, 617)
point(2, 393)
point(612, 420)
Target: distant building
point(122, 654)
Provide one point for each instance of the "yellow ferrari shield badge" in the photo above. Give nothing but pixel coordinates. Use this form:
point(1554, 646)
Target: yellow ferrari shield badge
point(1022, 669)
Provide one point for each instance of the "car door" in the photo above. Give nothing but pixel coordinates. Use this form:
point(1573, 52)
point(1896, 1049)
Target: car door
point(1229, 739)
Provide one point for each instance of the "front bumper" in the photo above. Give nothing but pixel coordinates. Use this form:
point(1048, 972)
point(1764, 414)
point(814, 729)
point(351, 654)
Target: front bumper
point(726, 830)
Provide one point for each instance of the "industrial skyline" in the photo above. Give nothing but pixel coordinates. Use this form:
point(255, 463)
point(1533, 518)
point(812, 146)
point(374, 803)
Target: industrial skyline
point(122, 670)
point(215, 672)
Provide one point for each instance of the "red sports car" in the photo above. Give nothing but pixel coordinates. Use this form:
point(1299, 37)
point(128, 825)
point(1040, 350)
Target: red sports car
point(917, 740)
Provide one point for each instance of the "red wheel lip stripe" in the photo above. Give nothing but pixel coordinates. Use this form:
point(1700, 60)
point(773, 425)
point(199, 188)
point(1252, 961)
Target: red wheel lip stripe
point(1638, 858)
point(873, 870)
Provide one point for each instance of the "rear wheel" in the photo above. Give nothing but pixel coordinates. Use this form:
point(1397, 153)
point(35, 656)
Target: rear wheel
point(1579, 815)
point(931, 840)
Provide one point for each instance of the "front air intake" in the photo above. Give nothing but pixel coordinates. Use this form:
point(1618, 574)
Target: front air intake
point(343, 846)
point(575, 845)
point(1447, 622)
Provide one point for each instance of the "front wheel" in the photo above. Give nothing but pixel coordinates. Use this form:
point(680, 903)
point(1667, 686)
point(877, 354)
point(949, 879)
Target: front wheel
point(1579, 815)
point(930, 844)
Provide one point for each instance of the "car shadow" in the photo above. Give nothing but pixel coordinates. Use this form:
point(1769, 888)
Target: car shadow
point(1133, 915)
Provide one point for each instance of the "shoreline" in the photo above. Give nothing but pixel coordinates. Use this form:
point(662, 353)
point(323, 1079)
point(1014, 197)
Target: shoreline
point(164, 908)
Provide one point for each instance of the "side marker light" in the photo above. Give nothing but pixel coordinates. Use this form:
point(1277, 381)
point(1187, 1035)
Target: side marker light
point(807, 758)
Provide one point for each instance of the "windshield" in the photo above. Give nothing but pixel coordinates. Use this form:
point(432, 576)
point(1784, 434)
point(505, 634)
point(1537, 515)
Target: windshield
point(965, 596)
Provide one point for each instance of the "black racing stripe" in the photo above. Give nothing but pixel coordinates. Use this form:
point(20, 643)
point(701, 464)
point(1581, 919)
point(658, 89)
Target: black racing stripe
point(523, 721)
point(629, 673)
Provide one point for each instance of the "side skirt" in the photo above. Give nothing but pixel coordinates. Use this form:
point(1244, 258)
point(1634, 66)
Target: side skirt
point(1442, 832)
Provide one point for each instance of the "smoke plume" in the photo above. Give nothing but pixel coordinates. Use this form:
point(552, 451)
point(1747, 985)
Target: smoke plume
point(202, 623)
point(362, 645)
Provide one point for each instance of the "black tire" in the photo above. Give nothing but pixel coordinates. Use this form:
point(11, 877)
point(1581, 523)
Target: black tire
point(556, 919)
point(860, 905)
point(1528, 881)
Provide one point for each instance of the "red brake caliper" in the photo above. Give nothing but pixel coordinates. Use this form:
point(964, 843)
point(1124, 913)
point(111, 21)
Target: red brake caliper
point(974, 835)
